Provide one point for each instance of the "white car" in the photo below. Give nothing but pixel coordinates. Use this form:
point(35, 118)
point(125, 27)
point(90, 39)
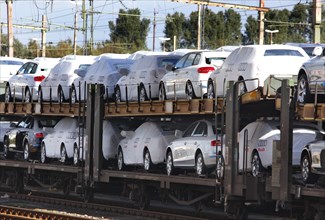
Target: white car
point(312, 161)
point(24, 84)
point(106, 71)
point(57, 85)
point(144, 76)
point(9, 67)
point(189, 77)
point(196, 148)
point(60, 142)
point(110, 141)
point(260, 137)
point(253, 64)
point(145, 146)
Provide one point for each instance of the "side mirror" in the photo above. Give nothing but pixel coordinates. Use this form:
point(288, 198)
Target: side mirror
point(12, 124)
point(127, 134)
point(174, 68)
point(124, 71)
point(178, 133)
point(80, 72)
point(317, 51)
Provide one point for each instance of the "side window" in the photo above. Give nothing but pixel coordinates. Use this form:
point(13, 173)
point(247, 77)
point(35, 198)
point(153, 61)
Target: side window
point(201, 130)
point(29, 123)
point(181, 62)
point(30, 69)
point(189, 131)
point(197, 59)
point(190, 59)
point(22, 68)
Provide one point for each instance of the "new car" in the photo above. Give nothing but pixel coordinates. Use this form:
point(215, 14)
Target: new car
point(25, 137)
point(142, 81)
point(189, 77)
point(146, 146)
point(251, 65)
point(311, 77)
point(57, 85)
point(195, 149)
point(259, 136)
point(9, 67)
point(106, 71)
point(312, 161)
point(24, 84)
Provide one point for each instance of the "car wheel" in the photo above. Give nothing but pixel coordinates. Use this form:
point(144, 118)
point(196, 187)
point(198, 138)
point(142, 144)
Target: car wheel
point(162, 92)
point(303, 93)
point(220, 169)
point(73, 95)
point(63, 155)
point(61, 98)
point(256, 164)
point(6, 152)
point(120, 160)
point(307, 175)
point(40, 95)
point(147, 163)
point(117, 94)
point(44, 158)
point(26, 150)
point(75, 156)
point(142, 94)
point(189, 91)
point(199, 164)
point(169, 164)
point(210, 90)
point(7, 94)
point(27, 96)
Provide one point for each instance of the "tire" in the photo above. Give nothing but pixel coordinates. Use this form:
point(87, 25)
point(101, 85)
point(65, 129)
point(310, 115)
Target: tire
point(61, 98)
point(26, 150)
point(199, 164)
point(210, 90)
point(28, 96)
point(63, 155)
point(75, 156)
point(305, 166)
point(220, 168)
point(120, 160)
point(117, 94)
point(142, 96)
point(44, 158)
point(73, 97)
point(162, 92)
point(8, 97)
point(6, 152)
point(40, 95)
point(303, 92)
point(169, 164)
point(256, 164)
point(147, 163)
point(189, 91)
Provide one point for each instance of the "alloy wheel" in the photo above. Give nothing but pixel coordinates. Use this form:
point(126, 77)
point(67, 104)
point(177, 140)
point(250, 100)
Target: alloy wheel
point(210, 92)
point(256, 165)
point(75, 156)
point(169, 164)
point(120, 160)
point(220, 168)
point(147, 160)
point(199, 164)
point(26, 150)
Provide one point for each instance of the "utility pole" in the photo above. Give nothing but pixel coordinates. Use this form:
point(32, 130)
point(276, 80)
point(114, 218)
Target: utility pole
point(317, 19)
point(75, 35)
point(9, 28)
point(44, 36)
point(91, 26)
point(84, 28)
point(261, 24)
point(199, 28)
point(154, 30)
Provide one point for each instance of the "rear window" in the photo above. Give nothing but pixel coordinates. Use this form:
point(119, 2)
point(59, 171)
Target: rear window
point(10, 62)
point(282, 52)
point(163, 63)
point(48, 122)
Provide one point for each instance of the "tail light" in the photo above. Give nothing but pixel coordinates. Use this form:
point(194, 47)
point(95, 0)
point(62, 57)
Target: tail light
point(205, 69)
point(39, 135)
point(215, 143)
point(39, 78)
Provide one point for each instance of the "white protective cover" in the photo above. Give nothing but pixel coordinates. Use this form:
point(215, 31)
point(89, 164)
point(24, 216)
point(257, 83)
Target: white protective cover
point(9, 67)
point(148, 135)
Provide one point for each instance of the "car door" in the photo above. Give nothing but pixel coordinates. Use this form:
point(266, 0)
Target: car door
point(19, 81)
point(181, 147)
point(316, 69)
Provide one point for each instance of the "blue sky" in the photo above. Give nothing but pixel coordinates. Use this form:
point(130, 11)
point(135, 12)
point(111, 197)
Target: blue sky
point(61, 14)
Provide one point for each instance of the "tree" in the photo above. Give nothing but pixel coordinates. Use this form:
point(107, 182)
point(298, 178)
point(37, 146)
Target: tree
point(175, 26)
point(251, 31)
point(19, 48)
point(129, 30)
point(232, 27)
point(299, 17)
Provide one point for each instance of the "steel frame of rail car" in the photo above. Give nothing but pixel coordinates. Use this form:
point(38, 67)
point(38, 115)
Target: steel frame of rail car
point(234, 191)
point(278, 188)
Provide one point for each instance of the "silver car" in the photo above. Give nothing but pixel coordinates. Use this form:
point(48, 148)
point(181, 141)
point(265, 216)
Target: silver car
point(311, 77)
